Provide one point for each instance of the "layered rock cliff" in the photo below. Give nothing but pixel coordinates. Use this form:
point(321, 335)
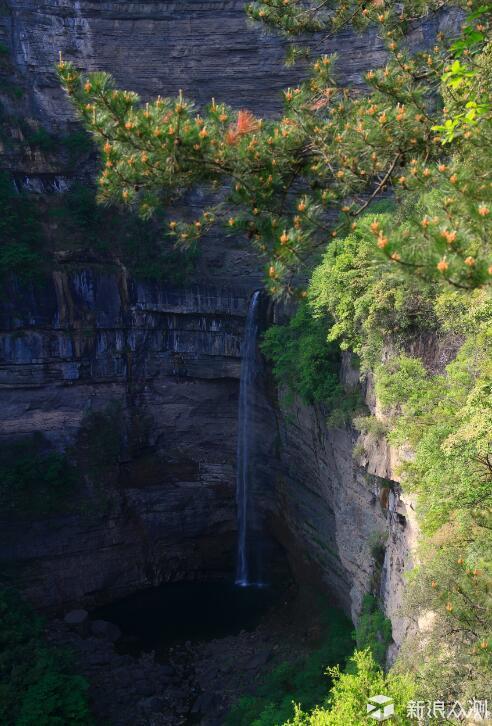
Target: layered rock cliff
point(167, 362)
point(92, 339)
point(343, 518)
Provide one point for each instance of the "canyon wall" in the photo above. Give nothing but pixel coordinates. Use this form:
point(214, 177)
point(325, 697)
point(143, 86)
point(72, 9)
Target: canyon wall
point(94, 340)
point(164, 365)
point(341, 515)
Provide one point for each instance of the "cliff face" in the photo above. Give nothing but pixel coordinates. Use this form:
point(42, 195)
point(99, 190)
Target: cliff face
point(343, 521)
point(169, 359)
point(167, 362)
point(204, 48)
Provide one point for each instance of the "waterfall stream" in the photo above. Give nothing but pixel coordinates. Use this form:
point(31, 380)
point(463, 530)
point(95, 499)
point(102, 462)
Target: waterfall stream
point(246, 550)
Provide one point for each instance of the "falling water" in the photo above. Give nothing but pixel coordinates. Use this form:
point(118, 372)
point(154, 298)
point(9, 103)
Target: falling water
point(245, 454)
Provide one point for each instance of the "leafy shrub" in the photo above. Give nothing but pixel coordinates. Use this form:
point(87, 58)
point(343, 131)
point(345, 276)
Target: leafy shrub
point(77, 143)
point(34, 479)
point(350, 693)
point(37, 687)
point(453, 582)
point(370, 304)
point(8, 88)
point(41, 138)
point(447, 419)
point(20, 232)
point(123, 235)
point(373, 630)
point(19, 258)
point(370, 425)
point(303, 359)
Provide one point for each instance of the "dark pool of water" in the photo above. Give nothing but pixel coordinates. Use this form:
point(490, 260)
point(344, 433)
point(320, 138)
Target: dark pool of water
point(160, 617)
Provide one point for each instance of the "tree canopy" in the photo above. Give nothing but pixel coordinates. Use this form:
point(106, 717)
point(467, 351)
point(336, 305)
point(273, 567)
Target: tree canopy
point(420, 131)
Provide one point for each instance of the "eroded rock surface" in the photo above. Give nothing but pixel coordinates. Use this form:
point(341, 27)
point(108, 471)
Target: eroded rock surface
point(170, 358)
point(167, 363)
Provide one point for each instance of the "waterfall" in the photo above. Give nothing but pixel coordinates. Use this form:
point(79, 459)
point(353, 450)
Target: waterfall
point(245, 447)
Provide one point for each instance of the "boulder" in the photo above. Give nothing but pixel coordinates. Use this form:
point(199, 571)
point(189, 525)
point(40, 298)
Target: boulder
point(78, 620)
point(106, 630)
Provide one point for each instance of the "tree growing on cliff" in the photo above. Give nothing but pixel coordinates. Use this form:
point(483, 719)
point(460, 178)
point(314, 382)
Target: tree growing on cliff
point(296, 183)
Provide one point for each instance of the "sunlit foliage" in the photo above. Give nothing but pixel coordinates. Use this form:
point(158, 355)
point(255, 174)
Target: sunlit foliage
point(326, 158)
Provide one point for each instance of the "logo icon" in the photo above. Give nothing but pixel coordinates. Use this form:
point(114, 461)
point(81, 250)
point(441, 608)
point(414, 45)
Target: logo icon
point(380, 708)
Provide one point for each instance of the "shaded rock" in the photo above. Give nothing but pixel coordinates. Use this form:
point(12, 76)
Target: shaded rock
point(258, 660)
point(78, 620)
point(106, 630)
point(204, 703)
point(154, 704)
point(166, 670)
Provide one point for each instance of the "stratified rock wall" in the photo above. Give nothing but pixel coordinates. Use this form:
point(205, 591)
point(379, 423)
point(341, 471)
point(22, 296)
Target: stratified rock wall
point(344, 524)
point(168, 357)
point(204, 47)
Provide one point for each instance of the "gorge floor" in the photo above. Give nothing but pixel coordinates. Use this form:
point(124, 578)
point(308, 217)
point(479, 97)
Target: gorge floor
point(191, 676)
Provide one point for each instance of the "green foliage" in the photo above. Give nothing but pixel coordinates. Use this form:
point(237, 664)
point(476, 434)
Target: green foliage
point(347, 405)
point(371, 305)
point(34, 479)
point(10, 89)
point(447, 418)
point(303, 359)
point(303, 681)
point(370, 425)
point(308, 364)
point(151, 257)
point(25, 243)
point(444, 418)
point(335, 144)
point(19, 258)
point(77, 143)
point(36, 685)
point(373, 630)
point(468, 102)
point(453, 584)
point(423, 131)
point(41, 139)
point(295, 17)
point(20, 233)
point(80, 212)
point(122, 235)
point(350, 693)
